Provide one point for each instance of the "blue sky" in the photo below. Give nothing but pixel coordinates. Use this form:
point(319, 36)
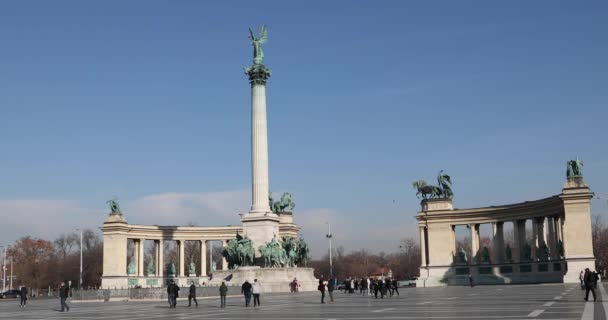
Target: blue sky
point(147, 101)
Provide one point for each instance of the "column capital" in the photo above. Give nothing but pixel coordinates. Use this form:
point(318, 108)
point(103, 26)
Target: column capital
point(258, 74)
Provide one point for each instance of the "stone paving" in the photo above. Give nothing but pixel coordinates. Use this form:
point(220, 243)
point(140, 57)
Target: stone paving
point(551, 301)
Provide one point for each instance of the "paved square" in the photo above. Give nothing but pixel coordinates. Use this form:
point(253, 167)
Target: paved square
point(551, 301)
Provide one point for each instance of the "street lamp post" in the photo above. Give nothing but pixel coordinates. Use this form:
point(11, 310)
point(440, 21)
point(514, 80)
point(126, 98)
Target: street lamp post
point(80, 282)
point(329, 236)
point(4, 271)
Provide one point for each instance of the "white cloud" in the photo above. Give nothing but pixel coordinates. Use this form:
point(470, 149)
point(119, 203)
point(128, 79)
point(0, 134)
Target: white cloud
point(205, 208)
point(44, 218)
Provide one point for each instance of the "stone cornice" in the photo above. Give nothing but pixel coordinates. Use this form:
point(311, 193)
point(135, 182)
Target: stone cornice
point(525, 210)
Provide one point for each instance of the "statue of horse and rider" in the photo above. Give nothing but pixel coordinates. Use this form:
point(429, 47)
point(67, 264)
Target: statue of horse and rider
point(239, 252)
point(443, 189)
point(285, 204)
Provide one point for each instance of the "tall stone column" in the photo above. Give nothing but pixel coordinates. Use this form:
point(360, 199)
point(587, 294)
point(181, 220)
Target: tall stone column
point(498, 242)
point(203, 258)
point(474, 243)
point(181, 271)
point(160, 269)
point(535, 236)
point(519, 235)
point(422, 248)
point(224, 262)
point(453, 241)
point(551, 237)
point(140, 259)
point(260, 224)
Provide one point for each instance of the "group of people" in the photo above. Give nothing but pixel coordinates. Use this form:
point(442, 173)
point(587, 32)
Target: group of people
point(248, 290)
point(365, 286)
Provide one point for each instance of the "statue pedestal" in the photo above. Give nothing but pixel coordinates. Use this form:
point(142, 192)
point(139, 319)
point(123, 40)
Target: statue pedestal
point(271, 279)
point(260, 228)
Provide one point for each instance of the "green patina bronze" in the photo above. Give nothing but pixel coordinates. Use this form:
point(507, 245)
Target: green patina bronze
point(131, 268)
point(303, 254)
point(171, 269)
point(239, 252)
point(508, 254)
point(273, 254)
point(574, 168)
point(192, 268)
point(150, 268)
point(527, 252)
point(258, 73)
point(283, 205)
point(462, 256)
point(258, 53)
point(560, 248)
point(443, 189)
point(114, 207)
point(485, 255)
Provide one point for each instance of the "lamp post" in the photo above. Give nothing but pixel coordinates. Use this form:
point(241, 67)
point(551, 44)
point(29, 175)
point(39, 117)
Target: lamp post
point(329, 236)
point(4, 270)
point(80, 282)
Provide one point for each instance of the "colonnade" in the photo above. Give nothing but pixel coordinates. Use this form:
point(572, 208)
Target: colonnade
point(546, 230)
point(181, 268)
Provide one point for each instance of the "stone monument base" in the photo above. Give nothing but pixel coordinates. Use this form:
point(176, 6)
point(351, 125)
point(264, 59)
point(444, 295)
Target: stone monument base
point(271, 279)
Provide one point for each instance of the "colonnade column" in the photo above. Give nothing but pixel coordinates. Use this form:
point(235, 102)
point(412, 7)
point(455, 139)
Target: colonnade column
point(498, 241)
point(140, 257)
point(541, 237)
point(535, 236)
point(160, 269)
point(474, 243)
point(519, 233)
point(203, 272)
point(423, 262)
point(181, 258)
point(551, 238)
point(224, 262)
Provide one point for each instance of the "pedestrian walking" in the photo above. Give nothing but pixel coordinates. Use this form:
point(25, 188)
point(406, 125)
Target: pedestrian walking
point(223, 292)
point(376, 287)
point(23, 296)
point(588, 278)
point(471, 281)
point(64, 292)
point(246, 289)
point(192, 295)
point(172, 294)
point(330, 289)
point(369, 287)
point(321, 288)
point(396, 286)
point(581, 277)
point(257, 289)
point(388, 284)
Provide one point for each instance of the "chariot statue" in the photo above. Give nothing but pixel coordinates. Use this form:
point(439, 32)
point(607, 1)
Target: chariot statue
point(574, 168)
point(443, 189)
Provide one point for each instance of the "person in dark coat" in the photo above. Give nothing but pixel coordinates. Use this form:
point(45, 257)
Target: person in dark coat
point(376, 288)
point(330, 289)
point(589, 279)
point(223, 292)
point(246, 290)
point(388, 284)
point(23, 296)
point(396, 286)
point(172, 293)
point(471, 281)
point(64, 292)
point(192, 295)
point(321, 288)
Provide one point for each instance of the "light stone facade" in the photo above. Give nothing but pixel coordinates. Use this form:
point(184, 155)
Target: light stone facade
point(116, 233)
point(562, 219)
